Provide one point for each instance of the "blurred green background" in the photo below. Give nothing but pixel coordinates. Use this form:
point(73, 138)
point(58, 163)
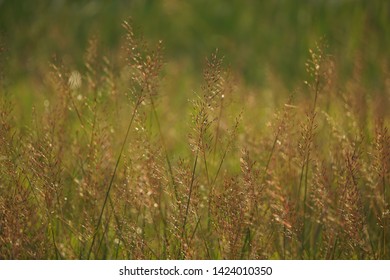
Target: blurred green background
point(254, 36)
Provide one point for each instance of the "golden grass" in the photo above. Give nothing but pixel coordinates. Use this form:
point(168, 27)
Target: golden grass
point(98, 175)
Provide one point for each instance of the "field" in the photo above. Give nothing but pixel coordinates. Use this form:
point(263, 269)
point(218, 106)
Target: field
point(194, 130)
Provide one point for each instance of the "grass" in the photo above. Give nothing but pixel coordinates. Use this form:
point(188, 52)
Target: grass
point(111, 168)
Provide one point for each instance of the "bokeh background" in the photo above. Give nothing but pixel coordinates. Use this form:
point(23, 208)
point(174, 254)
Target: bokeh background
point(264, 43)
point(255, 36)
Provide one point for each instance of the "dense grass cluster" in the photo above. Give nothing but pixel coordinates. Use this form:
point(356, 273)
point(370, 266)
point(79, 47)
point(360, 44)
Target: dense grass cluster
point(108, 170)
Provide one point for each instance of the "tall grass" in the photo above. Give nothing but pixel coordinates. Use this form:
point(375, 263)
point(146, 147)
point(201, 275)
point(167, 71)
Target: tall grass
point(97, 173)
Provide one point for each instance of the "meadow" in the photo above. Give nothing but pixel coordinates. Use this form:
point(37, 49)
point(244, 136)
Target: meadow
point(163, 130)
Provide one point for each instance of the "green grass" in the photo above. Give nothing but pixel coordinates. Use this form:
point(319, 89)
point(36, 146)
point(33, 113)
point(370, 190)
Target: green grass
point(227, 140)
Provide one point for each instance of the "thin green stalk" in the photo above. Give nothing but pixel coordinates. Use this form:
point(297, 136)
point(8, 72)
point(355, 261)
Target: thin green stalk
point(385, 220)
point(274, 143)
point(93, 122)
point(246, 246)
point(195, 229)
point(225, 152)
point(189, 199)
point(218, 127)
point(190, 193)
point(118, 224)
point(114, 173)
point(209, 257)
point(334, 248)
point(77, 111)
point(165, 148)
point(117, 250)
point(170, 170)
point(284, 242)
point(306, 162)
point(301, 179)
point(270, 156)
point(205, 164)
point(57, 252)
point(105, 229)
